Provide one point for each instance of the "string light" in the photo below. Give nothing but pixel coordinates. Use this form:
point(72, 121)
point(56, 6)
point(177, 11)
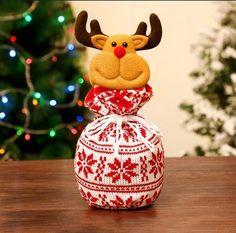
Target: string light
point(71, 30)
point(2, 115)
point(29, 61)
point(86, 77)
point(54, 58)
point(70, 46)
point(61, 19)
point(12, 53)
point(53, 102)
point(71, 88)
point(35, 102)
point(4, 99)
point(80, 127)
point(79, 118)
point(32, 7)
point(74, 131)
point(52, 133)
point(19, 131)
point(37, 95)
point(2, 151)
point(80, 103)
point(27, 137)
point(80, 80)
point(13, 39)
point(53, 55)
point(27, 17)
point(24, 110)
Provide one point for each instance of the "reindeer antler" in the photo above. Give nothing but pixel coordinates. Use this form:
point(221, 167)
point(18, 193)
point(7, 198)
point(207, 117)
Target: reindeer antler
point(155, 34)
point(81, 33)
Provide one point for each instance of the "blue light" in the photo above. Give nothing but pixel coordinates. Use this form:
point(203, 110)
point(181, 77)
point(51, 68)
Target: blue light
point(80, 118)
point(4, 99)
point(61, 18)
point(70, 46)
point(12, 53)
point(52, 102)
point(71, 88)
point(2, 115)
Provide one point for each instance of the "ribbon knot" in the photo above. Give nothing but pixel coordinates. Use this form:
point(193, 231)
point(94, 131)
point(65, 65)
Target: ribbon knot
point(101, 123)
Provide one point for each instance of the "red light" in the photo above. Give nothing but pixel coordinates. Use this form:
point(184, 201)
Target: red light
point(54, 58)
point(13, 39)
point(74, 131)
point(29, 61)
point(80, 127)
point(27, 137)
point(86, 77)
point(24, 110)
point(71, 30)
point(80, 103)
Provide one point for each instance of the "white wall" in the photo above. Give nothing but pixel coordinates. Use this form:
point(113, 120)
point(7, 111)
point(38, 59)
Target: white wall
point(170, 62)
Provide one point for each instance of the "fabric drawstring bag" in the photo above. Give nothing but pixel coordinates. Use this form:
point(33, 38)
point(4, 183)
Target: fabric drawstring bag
point(119, 155)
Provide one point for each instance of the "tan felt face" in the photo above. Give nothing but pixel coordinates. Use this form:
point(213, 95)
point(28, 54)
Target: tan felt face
point(118, 66)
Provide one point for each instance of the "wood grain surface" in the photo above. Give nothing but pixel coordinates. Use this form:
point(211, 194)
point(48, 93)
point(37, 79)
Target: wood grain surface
point(199, 195)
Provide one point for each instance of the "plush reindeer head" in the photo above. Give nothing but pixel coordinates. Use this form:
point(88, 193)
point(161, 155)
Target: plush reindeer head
point(118, 66)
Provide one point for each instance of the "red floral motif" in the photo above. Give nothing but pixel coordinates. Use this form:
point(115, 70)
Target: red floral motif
point(106, 101)
point(156, 162)
point(109, 131)
point(143, 132)
point(88, 197)
point(120, 101)
point(104, 201)
point(153, 198)
point(129, 202)
point(122, 171)
point(85, 163)
point(129, 133)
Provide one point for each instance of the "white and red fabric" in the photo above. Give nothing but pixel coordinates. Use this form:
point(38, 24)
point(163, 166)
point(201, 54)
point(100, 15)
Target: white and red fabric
point(119, 158)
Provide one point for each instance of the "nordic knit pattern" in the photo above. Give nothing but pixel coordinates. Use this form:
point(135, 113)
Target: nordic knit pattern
point(114, 165)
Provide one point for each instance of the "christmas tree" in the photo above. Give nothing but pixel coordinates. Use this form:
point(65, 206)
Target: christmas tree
point(42, 83)
point(214, 114)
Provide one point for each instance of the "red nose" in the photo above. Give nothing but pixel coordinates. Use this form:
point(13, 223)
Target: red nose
point(119, 51)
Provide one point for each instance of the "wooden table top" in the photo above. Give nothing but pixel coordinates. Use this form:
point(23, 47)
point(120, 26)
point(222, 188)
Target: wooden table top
point(199, 195)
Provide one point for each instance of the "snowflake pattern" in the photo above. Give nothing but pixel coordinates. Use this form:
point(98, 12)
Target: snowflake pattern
point(85, 163)
point(156, 162)
point(121, 171)
point(88, 197)
point(105, 101)
point(129, 202)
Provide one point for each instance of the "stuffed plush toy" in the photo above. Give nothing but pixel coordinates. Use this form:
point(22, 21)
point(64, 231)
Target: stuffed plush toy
point(119, 155)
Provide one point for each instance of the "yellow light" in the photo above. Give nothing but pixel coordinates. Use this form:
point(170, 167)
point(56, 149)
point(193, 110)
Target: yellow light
point(35, 102)
point(2, 151)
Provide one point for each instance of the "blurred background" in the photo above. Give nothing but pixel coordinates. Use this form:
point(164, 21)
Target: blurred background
point(44, 78)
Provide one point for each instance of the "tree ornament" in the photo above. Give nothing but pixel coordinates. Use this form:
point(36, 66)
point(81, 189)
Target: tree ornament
point(119, 156)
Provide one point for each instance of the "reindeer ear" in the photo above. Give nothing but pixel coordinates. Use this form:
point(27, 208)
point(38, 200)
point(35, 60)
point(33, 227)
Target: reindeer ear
point(139, 41)
point(98, 41)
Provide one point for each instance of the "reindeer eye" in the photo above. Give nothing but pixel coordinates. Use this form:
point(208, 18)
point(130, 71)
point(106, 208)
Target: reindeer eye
point(125, 44)
point(113, 44)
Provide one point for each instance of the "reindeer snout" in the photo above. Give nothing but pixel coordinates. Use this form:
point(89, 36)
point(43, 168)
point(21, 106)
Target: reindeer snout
point(119, 51)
